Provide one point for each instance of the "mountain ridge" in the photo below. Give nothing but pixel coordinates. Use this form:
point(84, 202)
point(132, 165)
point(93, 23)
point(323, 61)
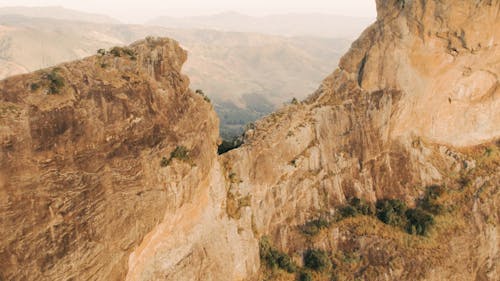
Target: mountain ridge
point(227, 66)
point(57, 12)
point(353, 183)
point(312, 24)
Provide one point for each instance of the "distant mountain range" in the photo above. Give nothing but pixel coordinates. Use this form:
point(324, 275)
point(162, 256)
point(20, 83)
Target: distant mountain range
point(319, 25)
point(245, 74)
point(293, 24)
point(55, 12)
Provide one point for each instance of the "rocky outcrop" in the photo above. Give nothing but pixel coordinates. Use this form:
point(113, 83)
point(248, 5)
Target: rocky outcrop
point(384, 126)
point(442, 56)
point(113, 174)
point(397, 116)
point(367, 132)
point(81, 178)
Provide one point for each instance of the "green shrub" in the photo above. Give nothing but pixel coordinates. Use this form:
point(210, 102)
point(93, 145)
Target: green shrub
point(266, 253)
point(348, 211)
point(164, 162)
point(429, 201)
point(181, 153)
point(313, 227)
point(392, 212)
point(395, 212)
point(316, 260)
point(34, 87)
point(201, 93)
point(357, 207)
point(118, 52)
point(101, 52)
point(435, 191)
point(362, 207)
point(56, 81)
point(419, 221)
point(273, 258)
point(129, 52)
point(286, 263)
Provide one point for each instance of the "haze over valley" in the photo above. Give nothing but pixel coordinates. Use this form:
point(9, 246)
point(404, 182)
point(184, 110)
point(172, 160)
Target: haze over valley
point(246, 74)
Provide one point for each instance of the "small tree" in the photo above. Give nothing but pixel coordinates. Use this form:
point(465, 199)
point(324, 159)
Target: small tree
point(316, 260)
point(201, 93)
point(356, 207)
point(116, 51)
point(419, 221)
point(34, 87)
point(164, 162)
point(273, 258)
point(348, 211)
point(313, 227)
point(429, 202)
point(180, 152)
point(56, 81)
point(392, 212)
point(362, 207)
point(130, 53)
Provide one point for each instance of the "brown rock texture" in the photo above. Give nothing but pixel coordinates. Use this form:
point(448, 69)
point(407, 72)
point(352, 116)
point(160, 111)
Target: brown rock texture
point(87, 195)
point(415, 102)
point(80, 175)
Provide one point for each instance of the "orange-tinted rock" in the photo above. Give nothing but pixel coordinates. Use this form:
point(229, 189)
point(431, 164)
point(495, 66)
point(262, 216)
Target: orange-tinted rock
point(84, 194)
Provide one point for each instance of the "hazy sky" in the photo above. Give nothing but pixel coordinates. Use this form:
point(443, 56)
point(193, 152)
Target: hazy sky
point(141, 10)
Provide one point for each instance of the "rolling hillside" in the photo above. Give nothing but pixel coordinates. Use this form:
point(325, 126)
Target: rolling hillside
point(318, 25)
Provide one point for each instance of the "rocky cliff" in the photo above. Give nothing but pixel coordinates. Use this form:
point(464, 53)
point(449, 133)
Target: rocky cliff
point(109, 169)
point(82, 146)
point(414, 103)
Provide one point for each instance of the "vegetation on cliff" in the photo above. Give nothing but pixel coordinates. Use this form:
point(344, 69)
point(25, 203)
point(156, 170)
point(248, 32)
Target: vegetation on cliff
point(397, 234)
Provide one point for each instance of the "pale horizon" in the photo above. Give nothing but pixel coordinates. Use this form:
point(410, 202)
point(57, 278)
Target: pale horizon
point(134, 12)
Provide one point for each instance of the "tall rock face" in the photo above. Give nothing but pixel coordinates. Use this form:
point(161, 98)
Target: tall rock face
point(109, 169)
point(81, 174)
point(414, 103)
point(443, 57)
